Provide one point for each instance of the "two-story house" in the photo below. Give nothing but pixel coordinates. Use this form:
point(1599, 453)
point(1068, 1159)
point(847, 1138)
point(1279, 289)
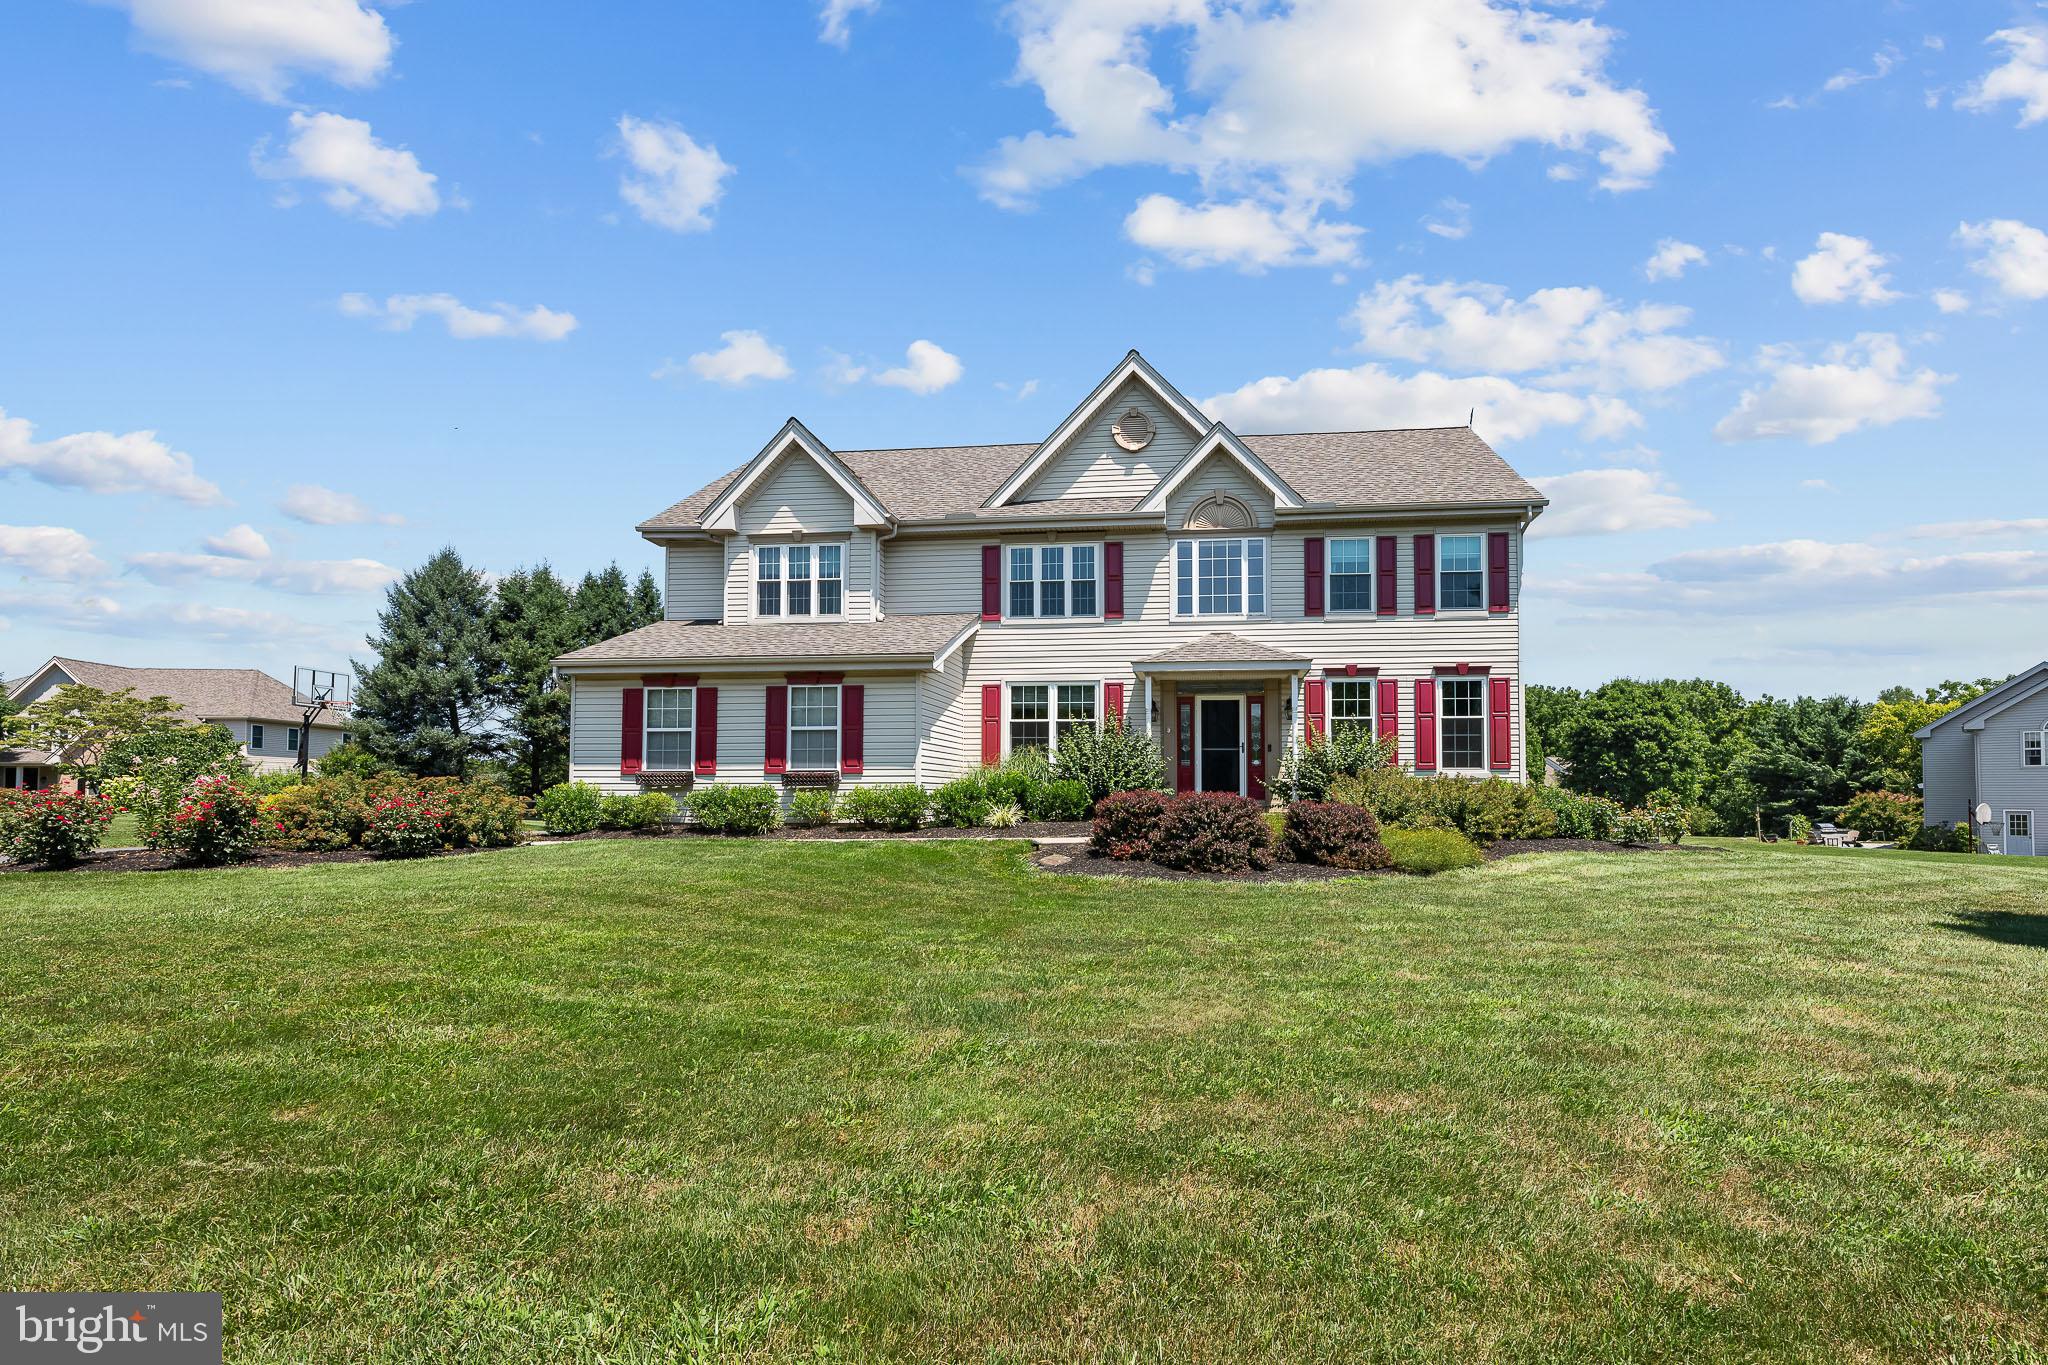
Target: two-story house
point(1984, 765)
point(885, 616)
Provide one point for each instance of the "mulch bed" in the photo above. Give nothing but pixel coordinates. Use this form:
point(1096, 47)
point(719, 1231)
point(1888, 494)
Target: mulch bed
point(1044, 829)
point(1082, 862)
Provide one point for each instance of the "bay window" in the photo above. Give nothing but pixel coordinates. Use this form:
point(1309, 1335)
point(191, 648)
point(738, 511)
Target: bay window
point(1351, 574)
point(799, 580)
point(1463, 723)
point(1460, 572)
point(665, 735)
point(814, 728)
point(1053, 582)
point(1220, 577)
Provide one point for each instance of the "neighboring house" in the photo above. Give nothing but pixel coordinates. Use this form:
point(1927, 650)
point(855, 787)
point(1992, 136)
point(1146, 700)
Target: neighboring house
point(885, 616)
point(1990, 752)
point(255, 708)
point(1556, 771)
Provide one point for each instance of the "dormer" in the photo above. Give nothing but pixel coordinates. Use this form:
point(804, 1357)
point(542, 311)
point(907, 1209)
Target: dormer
point(795, 485)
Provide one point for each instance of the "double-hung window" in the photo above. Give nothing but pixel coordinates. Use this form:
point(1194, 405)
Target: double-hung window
point(1460, 572)
point(799, 580)
point(1053, 582)
point(666, 734)
point(1351, 574)
point(1220, 577)
point(1351, 706)
point(1464, 724)
point(291, 740)
point(2031, 744)
point(814, 728)
point(1041, 714)
point(255, 737)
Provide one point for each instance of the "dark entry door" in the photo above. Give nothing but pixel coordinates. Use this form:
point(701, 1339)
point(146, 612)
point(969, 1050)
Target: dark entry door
point(1222, 744)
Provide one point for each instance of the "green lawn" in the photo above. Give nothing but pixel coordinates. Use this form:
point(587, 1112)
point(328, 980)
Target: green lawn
point(124, 832)
point(696, 1099)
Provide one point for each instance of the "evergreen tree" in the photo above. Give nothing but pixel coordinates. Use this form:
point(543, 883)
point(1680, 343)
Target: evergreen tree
point(533, 622)
point(646, 600)
point(1802, 762)
point(425, 705)
point(604, 605)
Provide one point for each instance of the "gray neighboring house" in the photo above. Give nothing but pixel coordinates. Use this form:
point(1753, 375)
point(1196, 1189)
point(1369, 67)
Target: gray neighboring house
point(255, 708)
point(1992, 752)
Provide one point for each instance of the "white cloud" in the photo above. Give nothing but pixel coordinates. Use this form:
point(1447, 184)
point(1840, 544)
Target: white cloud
point(2023, 78)
point(1598, 502)
point(308, 578)
point(1247, 235)
point(101, 462)
point(834, 16)
point(1671, 259)
point(1574, 336)
point(1842, 268)
point(1453, 220)
point(364, 178)
point(1864, 383)
point(317, 506)
point(501, 320)
point(1817, 485)
point(1882, 64)
point(927, 368)
point(1368, 397)
point(98, 614)
point(745, 357)
point(675, 182)
point(1985, 529)
point(259, 46)
point(841, 370)
point(55, 552)
point(239, 542)
point(2011, 254)
point(1951, 300)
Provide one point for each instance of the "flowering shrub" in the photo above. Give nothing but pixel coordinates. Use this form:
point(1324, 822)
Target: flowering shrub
point(1213, 832)
point(51, 828)
point(569, 808)
point(1125, 823)
point(1334, 835)
point(409, 825)
point(219, 821)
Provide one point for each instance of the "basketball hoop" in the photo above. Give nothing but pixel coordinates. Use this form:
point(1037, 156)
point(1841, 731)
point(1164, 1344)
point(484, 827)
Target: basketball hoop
point(317, 691)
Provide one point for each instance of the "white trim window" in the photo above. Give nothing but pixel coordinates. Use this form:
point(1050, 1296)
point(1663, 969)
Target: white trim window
point(1052, 582)
point(2032, 743)
point(1350, 570)
point(1461, 725)
point(814, 727)
point(1351, 705)
point(1041, 714)
point(255, 737)
point(1219, 576)
point(1460, 573)
point(800, 580)
point(669, 715)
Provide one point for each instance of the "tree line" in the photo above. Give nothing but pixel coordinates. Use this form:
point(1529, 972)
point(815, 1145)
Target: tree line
point(1702, 744)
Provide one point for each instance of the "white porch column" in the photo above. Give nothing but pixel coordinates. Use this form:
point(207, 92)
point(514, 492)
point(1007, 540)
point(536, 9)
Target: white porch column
point(1148, 705)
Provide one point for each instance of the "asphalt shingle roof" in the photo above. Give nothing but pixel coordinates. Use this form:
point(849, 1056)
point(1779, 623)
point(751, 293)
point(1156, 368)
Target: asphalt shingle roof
point(916, 637)
point(203, 693)
point(1221, 647)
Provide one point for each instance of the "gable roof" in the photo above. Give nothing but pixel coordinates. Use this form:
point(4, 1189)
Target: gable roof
point(920, 639)
point(1221, 647)
point(1974, 712)
point(204, 694)
point(1220, 440)
point(1133, 366)
point(868, 510)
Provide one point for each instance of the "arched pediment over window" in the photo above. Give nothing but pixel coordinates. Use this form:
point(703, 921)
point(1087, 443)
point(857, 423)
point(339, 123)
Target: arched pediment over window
point(1219, 512)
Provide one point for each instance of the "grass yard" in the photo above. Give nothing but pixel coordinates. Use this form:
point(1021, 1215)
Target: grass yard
point(712, 1100)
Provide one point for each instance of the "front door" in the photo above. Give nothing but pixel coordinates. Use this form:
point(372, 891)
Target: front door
point(1219, 743)
point(2019, 832)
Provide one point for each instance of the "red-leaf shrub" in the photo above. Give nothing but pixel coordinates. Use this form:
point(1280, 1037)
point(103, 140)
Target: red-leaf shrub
point(1125, 823)
point(218, 822)
point(1213, 832)
point(1334, 835)
point(51, 828)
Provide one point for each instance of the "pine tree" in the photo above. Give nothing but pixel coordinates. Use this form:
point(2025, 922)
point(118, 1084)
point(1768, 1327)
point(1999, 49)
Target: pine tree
point(647, 607)
point(533, 622)
point(425, 705)
point(604, 605)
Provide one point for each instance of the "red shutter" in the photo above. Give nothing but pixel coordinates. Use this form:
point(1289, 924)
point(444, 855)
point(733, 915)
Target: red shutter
point(1255, 740)
point(1312, 576)
point(1314, 706)
point(1184, 745)
point(1112, 580)
point(632, 717)
point(1386, 584)
point(1425, 575)
point(707, 731)
point(1500, 744)
point(1113, 700)
point(991, 724)
point(1497, 571)
point(991, 582)
point(1425, 725)
point(777, 740)
point(1390, 717)
point(852, 727)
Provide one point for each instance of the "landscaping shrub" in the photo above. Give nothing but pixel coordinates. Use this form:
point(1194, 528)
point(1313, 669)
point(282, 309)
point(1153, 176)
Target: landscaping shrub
point(897, 808)
point(409, 825)
point(1307, 770)
point(734, 809)
point(328, 814)
point(1213, 832)
point(1703, 820)
point(642, 810)
point(1430, 851)
point(962, 803)
point(1008, 786)
point(153, 771)
point(1637, 827)
point(1125, 823)
point(809, 807)
point(1881, 817)
point(1115, 758)
point(569, 808)
point(1005, 816)
point(1062, 798)
point(51, 828)
point(348, 760)
point(485, 815)
point(1669, 822)
point(1799, 829)
point(271, 783)
point(1482, 809)
point(1942, 839)
point(218, 822)
point(1031, 762)
point(1334, 835)
point(1578, 816)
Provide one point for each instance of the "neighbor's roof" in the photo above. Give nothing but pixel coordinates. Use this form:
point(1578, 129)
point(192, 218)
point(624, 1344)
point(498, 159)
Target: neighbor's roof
point(1221, 647)
point(203, 693)
point(896, 638)
point(1415, 466)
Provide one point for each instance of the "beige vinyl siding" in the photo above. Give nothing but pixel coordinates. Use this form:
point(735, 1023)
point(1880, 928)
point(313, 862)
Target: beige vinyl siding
point(923, 576)
point(1220, 473)
point(274, 756)
point(795, 495)
point(695, 582)
point(1093, 465)
point(951, 715)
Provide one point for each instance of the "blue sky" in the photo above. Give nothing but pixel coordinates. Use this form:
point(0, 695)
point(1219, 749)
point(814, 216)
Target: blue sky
point(1754, 290)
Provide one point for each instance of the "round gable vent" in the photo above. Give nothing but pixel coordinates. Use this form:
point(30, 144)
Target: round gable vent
point(1133, 430)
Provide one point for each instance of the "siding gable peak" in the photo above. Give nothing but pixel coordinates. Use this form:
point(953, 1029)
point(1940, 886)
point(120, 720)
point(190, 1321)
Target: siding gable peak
point(722, 514)
point(1133, 369)
point(1221, 442)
